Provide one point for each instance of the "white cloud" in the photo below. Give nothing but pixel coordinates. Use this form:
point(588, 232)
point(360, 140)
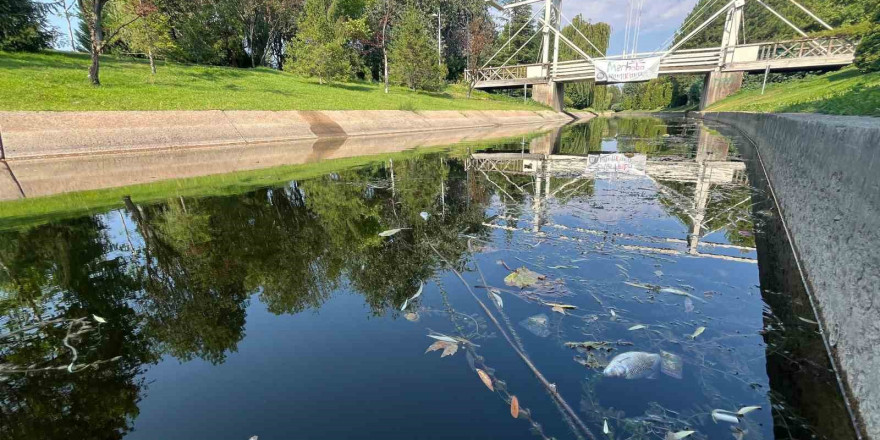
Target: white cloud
point(660, 18)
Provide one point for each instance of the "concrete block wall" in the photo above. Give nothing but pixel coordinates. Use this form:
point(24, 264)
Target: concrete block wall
point(825, 172)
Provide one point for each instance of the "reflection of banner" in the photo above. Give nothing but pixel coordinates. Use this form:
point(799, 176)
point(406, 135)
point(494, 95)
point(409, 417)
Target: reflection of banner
point(637, 69)
point(617, 163)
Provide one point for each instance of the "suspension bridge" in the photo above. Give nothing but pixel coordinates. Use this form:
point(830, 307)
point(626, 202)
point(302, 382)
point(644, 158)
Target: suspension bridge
point(723, 66)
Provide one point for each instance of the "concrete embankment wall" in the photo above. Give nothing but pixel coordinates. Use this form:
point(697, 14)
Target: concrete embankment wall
point(825, 173)
point(47, 134)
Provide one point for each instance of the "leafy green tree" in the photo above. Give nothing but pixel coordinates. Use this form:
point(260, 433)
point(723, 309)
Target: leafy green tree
point(528, 50)
point(150, 35)
point(585, 94)
point(319, 47)
point(413, 55)
point(23, 25)
point(868, 51)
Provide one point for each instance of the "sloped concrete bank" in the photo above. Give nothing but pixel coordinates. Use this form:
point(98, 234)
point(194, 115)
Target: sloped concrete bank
point(49, 134)
point(825, 174)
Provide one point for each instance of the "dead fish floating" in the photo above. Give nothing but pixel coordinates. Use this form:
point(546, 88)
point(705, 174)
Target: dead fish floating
point(642, 365)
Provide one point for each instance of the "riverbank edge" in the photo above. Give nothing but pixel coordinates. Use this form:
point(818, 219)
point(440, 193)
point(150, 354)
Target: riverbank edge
point(27, 135)
point(822, 171)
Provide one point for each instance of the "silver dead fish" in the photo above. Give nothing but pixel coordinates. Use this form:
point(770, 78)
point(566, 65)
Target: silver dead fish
point(641, 365)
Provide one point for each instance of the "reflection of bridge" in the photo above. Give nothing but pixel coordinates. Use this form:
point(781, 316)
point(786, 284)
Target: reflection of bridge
point(709, 167)
point(724, 65)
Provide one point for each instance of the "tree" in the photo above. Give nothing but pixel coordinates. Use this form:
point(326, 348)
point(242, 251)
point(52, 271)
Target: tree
point(150, 35)
point(520, 50)
point(480, 36)
point(92, 13)
point(280, 17)
point(868, 51)
point(23, 25)
point(586, 35)
point(380, 16)
point(413, 55)
point(318, 48)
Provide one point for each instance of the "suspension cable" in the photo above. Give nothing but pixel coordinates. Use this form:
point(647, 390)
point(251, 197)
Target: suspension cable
point(599, 51)
point(689, 21)
point(509, 39)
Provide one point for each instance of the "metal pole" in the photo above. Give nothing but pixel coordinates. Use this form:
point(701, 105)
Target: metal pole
point(812, 15)
point(766, 72)
point(2, 150)
point(525, 92)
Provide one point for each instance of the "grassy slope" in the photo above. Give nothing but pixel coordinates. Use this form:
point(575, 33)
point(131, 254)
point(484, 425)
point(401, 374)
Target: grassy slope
point(846, 92)
point(57, 81)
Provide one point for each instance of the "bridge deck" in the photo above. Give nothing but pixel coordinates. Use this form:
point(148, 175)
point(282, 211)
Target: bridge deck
point(815, 53)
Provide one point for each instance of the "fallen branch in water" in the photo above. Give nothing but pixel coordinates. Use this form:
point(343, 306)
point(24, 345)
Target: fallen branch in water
point(550, 388)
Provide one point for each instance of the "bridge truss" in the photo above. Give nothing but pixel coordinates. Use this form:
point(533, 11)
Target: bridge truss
point(799, 54)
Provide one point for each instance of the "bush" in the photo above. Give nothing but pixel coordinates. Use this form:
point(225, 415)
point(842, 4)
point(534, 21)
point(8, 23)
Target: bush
point(868, 52)
point(618, 107)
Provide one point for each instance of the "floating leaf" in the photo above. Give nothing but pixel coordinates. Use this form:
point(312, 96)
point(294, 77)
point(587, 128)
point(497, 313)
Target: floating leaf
point(449, 350)
point(486, 379)
point(561, 306)
point(522, 278)
point(613, 314)
point(444, 338)
point(605, 426)
point(688, 305)
point(724, 416)
point(640, 286)
point(390, 232)
point(638, 327)
point(658, 273)
point(678, 435)
point(425, 215)
point(699, 331)
point(680, 292)
point(411, 317)
point(99, 319)
point(558, 309)
point(514, 406)
point(808, 321)
point(496, 298)
point(408, 300)
point(747, 409)
point(439, 345)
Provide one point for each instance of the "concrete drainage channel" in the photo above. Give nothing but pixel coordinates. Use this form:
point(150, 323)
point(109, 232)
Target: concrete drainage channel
point(825, 176)
point(48, 134)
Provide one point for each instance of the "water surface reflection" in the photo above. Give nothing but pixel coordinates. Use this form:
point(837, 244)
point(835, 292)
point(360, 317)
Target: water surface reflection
point(285, 309)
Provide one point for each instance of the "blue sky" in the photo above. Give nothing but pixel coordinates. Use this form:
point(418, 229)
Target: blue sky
point(660, 19)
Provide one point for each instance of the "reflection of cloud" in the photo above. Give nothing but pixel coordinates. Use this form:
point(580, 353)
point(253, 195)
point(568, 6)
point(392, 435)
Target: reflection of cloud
point(660, 18)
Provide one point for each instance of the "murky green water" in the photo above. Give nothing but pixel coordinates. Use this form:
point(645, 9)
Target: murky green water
point(301, 311)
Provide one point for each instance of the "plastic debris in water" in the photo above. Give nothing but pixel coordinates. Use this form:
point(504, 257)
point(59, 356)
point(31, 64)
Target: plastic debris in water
point(539, 325)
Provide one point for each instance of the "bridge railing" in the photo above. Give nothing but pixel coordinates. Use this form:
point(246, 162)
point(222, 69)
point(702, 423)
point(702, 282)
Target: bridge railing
point(807, 47)
point(507, 73)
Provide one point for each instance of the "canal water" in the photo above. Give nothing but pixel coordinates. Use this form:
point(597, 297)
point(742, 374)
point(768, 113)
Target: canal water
point(476, 291)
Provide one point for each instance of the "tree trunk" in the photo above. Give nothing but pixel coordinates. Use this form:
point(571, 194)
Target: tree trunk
point(385, 51)
point(152, 62)
point(69, 28)
point(94, 69)
point(385, 63)
point(96, 29)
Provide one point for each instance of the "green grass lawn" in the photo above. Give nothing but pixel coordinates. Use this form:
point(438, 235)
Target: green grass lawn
point(846, 92)
point(58, 81)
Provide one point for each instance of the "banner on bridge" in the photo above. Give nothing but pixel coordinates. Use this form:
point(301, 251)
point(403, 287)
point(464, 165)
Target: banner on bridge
point(632, 70)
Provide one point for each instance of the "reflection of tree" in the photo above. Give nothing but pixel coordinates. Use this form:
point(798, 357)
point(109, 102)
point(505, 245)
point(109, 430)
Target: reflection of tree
point(179, 279)
point(193, 283)
point(52, 271)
